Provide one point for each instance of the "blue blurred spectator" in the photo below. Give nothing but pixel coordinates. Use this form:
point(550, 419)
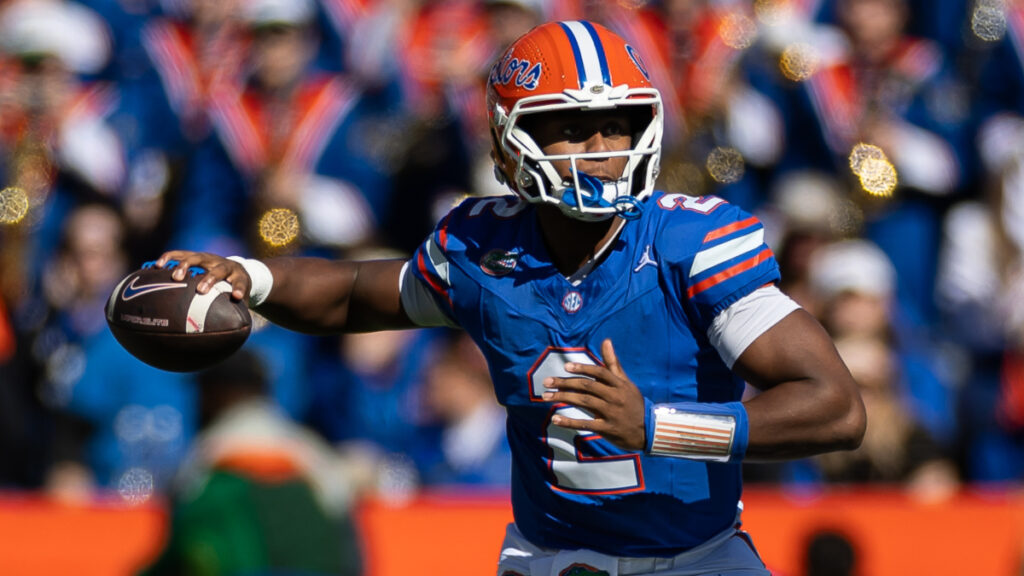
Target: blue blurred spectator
point(854, 283)
point(980, 275)
point(293, 139)
point(369, 396)
point(190, 54)
point(896, 94)
point(119, 424)
point(437, 53)
point(288, 357)
point(473, 448)
point(337, 20)
point(55, 135)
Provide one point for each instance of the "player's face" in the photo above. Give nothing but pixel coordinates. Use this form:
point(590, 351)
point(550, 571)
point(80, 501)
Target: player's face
point(578, 132)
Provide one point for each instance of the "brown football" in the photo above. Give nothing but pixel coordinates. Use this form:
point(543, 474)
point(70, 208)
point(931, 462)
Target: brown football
point(168, 325)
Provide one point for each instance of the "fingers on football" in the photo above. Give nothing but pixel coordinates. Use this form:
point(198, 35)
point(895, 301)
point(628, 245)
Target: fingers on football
point(217, 268)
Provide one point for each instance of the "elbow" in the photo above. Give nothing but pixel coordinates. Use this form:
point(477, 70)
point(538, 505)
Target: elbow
point(850, 428)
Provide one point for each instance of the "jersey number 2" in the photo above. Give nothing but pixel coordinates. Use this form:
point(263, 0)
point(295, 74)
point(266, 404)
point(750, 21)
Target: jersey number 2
point(579, 460)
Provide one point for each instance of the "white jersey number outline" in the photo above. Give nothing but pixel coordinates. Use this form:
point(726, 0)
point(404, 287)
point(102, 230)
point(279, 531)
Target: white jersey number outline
point(575, 467)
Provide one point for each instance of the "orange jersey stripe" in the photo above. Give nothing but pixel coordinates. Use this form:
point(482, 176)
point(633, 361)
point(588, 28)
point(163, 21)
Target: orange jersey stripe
point(730, 228)
point(729, 273)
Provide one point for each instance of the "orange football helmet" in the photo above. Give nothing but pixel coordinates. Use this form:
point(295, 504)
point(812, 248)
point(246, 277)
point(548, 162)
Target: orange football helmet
point(575, 65)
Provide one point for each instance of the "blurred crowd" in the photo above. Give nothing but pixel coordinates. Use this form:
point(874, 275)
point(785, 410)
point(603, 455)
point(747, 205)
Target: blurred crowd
point(881, 141)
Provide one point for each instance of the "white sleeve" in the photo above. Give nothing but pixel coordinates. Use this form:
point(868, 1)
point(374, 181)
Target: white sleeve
point(741, 323)
point(419, 303)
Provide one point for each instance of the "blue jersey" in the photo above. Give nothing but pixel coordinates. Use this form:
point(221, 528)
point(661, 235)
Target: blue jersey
point(662, 283)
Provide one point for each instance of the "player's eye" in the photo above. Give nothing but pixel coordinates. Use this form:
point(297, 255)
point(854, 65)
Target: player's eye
point(614, 128)
point(572, 131)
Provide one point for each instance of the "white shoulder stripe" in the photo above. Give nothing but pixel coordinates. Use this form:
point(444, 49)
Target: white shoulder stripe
point(711, 257)
point(438, 260)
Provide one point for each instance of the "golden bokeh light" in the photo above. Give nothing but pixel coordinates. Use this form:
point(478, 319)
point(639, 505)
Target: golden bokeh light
point(737, 31)
point(279, 227)
point(725, 165)
point(878, 177)
point(799, 62)
point(877, 174)
point(14, 205)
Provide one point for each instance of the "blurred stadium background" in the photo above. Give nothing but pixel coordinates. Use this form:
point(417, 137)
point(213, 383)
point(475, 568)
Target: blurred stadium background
point(881, 141)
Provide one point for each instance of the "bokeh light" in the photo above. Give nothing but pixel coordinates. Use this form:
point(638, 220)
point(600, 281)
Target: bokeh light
point(737, 31)
point(988, 21)
point(136, 486)
point(878, 177)
point(13, 205)
point(863, 152)
point(279, 227)
point(798, 62)
point(725, 165)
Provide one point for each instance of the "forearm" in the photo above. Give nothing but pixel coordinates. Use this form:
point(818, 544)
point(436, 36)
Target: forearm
point(319, 296)
point(802, 418)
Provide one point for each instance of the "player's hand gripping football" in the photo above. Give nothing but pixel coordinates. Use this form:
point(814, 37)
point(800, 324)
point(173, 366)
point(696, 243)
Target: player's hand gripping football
point(217, 268)
point(607, 393)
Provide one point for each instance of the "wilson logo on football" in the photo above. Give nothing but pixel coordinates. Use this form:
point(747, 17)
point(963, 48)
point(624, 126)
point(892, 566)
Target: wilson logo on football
point(132, 290)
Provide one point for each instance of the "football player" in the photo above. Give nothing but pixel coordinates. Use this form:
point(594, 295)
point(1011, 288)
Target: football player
point(620, 323)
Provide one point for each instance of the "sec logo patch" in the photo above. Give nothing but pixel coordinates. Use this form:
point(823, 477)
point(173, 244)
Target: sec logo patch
point(572, 302)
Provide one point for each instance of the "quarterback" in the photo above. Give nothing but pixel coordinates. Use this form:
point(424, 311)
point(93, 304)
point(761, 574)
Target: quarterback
point(620, 323)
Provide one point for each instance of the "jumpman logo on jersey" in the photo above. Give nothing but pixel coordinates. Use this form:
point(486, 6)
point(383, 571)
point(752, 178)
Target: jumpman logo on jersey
point(645, 260)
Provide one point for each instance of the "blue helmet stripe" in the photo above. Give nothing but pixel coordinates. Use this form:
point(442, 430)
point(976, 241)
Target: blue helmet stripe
point(605, 72)
point(581, 71)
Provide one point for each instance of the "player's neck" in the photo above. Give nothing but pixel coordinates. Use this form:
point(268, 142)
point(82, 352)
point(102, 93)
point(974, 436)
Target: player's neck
point(574, 244)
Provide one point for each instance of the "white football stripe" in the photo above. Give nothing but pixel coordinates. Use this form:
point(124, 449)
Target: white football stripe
point(711, 257)
point(438, 260)
point(588, 54)
point(200, 306)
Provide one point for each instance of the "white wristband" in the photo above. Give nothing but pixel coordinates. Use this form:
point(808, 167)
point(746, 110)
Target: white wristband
point(262, 279)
